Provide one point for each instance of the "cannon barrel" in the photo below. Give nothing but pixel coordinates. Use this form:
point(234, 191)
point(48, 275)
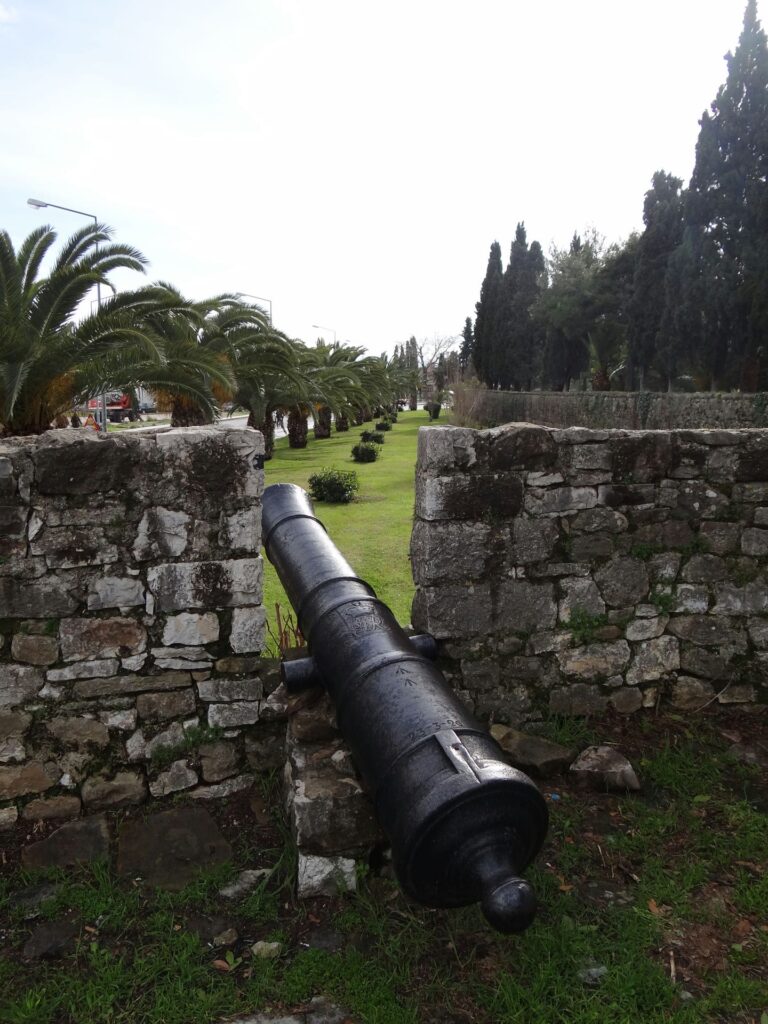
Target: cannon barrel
point(462, 822)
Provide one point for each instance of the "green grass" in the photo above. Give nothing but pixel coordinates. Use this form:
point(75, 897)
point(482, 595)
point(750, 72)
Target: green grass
point(373, 532)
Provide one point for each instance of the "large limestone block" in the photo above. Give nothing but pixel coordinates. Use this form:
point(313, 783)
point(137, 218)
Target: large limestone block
point(480, 496)
point(32, 777)
point(71, 548)
point(191, 629)
point(85, 464)
point(18, 683)
point(125, 788)
point(22, 599)
point(558, 500)
point(248, 630)
point(524, 607)
point(595, 661)
point(115, 592)
point(654, 659)
point(623, 582)
point(35, 650)
point(79, 732)
point(454, 552)
point(101, 638)
point(453, 611)
point(443, 449)
point(228, 584)
point(241, 531)
point(162, 533)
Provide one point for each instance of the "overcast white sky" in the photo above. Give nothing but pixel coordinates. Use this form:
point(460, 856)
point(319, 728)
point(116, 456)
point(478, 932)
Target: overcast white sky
point(350, 160)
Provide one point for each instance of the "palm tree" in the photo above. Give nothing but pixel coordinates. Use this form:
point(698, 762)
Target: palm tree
point(47, 362)
point(338, 364)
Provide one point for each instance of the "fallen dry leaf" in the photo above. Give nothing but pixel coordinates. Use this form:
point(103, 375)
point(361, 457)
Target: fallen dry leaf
point(221, 965)
point(654, 908)
point(743, 928)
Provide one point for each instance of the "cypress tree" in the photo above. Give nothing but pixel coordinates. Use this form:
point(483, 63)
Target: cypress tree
point(467, 346)
point(663, 219)
point(520, 342)
point(727, 214)
point(488, 321)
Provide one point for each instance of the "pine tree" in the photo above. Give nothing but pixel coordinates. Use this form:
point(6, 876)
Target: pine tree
point(489, 318)
point(663, 219)
point(727, 214)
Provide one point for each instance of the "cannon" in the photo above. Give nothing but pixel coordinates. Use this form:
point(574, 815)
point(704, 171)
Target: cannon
point(462, 822)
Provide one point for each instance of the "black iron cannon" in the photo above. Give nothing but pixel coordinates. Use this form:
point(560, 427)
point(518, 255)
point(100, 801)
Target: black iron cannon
point(461, 821)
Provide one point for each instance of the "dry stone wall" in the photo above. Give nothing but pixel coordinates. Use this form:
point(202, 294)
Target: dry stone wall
point(130, 620)
point(635, 410)
point(572, 570)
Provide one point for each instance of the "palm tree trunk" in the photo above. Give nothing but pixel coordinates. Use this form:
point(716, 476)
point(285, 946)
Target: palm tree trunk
point(342, 424)
point(297, 429)
point(267, 428)
point(322, 423)
point(186, 414)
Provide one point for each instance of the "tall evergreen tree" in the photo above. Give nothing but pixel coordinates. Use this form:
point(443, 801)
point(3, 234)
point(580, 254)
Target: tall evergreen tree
point(517, 356)
point(727, 214)
point(467, 346)
point(488, 322)
point(663, 219)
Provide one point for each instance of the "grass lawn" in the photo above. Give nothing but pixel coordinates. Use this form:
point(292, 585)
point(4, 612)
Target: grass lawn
point(373, 532)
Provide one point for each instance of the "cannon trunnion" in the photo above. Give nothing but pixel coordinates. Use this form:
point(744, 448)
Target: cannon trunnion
point(461, 821)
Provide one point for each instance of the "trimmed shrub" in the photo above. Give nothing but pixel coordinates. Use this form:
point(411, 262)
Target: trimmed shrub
point(433, 409)
point(384, 425)
point(365, 452)
point(371, 437)
point(338, 486)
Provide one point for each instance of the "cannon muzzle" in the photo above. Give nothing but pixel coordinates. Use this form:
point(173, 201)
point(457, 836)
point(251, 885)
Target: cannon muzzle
point(462, 822)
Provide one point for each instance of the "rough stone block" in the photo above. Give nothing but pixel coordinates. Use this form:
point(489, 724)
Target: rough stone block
point(82, 465)
point(159, 707)
point(707, 630)
point(71, 548)
point(625, 495)
point(191, 629)
point(754, 542)
point(691, 599)
point(704, 569)
point(79, 732)
point(248, 629)
point(751, 599)
point(162, 533)
point(647, 628)
point(721, 538)
point(579, 594)
point(35, 650)
point(480, 496)
point(122, 685)
point(595, 661)
point(455, 552)
point(558, 500)
point(217, 761)
point(8, 818)
point(83, 670)
point(654, 659)
point(82, 639)
point(178, 777)
point(32, 777)
point(221, 691)
point(45, 808)
point(241, 530)
point(452, 611)
point(221, 790)
point(229, 584)
point(21, 599)
point(77, 842)
point(623, 582)
point(18, 683)
point(523, 607)
point(626, 700)
point(577, 699)
point(325, 876)
point(123, 789)
point(233, 714)
point(533, 540)
point(689, 694)
point(115, 592)
point(442, 449)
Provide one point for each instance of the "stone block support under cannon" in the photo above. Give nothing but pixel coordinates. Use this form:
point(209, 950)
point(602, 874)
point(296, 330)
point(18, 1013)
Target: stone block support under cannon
point(462, 822)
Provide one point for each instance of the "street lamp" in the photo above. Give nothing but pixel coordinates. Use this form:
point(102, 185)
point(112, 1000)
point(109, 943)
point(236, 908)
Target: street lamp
point(320, 327)
point(248, 295)
point(40, 204)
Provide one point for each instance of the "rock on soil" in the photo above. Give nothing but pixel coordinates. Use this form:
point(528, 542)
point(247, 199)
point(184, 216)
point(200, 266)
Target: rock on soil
point(605, 768)
point(75, 843)
point(532, 753)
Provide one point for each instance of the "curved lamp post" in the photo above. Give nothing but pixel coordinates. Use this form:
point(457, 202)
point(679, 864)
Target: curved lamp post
point(40, 204)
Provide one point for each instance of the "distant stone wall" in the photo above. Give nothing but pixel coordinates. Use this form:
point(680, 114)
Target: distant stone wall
point(130, 619)
point(575, 570)
point(631, 410)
